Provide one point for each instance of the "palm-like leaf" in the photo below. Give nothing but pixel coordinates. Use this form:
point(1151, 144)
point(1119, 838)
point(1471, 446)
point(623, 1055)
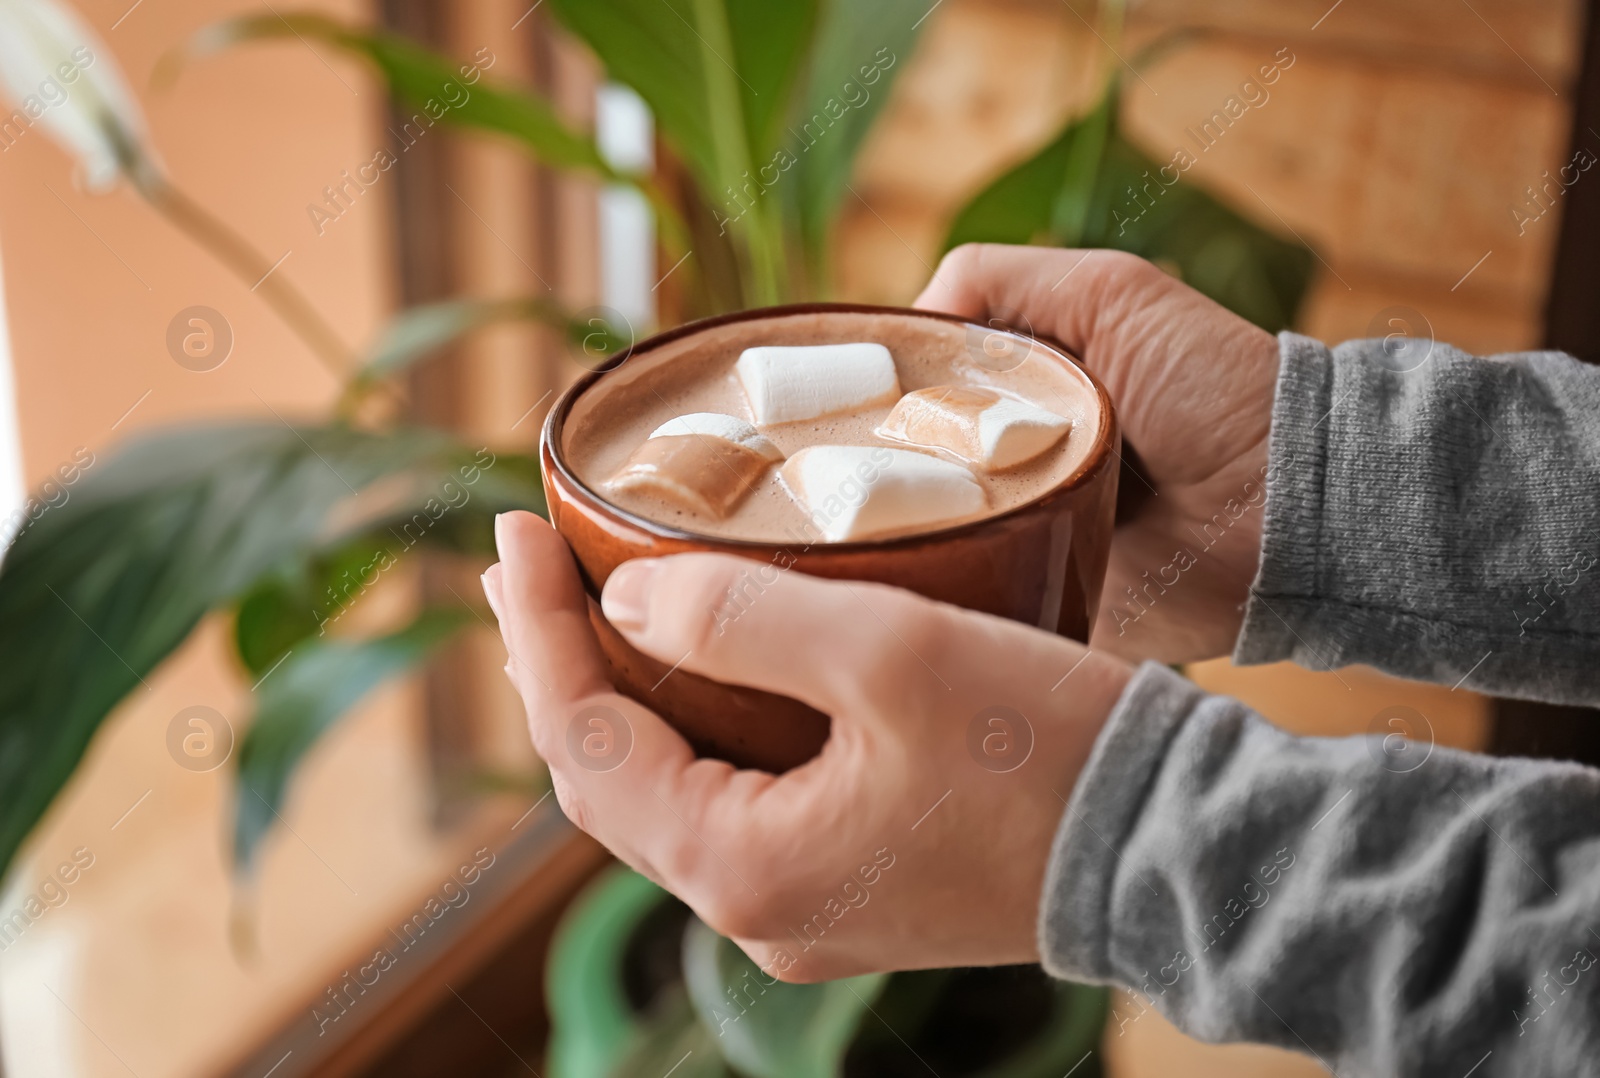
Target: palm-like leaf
point(718, 75)
point(102, 588)
point(860, 50)
point(303, 696)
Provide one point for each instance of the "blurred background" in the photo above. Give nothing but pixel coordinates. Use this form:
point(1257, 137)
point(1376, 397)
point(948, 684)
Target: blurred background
point(392, 909)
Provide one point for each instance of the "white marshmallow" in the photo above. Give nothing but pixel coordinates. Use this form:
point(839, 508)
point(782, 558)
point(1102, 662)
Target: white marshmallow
point(980, 425)
point(704, 462)
point(716, 425)
point(855, 492)
point(787, 384)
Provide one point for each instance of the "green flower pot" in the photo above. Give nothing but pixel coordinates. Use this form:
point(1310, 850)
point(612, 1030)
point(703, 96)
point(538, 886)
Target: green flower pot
point(619, 1006)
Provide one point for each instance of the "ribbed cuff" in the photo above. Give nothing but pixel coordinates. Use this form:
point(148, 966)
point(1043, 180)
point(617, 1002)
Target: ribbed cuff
point(1075, 912)
point(1291, 524)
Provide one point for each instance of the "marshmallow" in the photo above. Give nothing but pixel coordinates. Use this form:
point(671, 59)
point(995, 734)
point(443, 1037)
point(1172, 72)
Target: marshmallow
point(716, 425)
point(786, 384)
point(704, 462)
point(978, 425)
point(854, 492)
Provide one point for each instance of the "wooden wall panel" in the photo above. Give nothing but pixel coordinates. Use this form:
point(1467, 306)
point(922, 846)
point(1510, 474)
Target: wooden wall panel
point(1505, 40)
point(1396, 146)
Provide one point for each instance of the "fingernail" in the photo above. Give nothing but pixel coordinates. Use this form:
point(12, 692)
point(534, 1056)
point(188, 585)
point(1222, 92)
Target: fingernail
point(499, 537)
point(491, 590)
point(626, 599)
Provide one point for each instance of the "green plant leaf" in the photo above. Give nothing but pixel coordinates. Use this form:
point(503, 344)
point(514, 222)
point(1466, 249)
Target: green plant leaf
point(285, 607)
point(303, 697)
point(770, 43)
point(417, 332)
point(1086, 156)
point(672, 1041)
point(423, 79)
point(718, 76)
point(764, 1027)
point(442, 90)
point(917, 1008)
point(450, 509)
point(1051, 197)
point(97, 592)
point(1125, 201)
point(667, 53)
point(1217, 250)
point(859, 50)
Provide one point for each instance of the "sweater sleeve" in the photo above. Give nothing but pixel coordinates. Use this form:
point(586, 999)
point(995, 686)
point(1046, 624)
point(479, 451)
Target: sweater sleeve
point(1391, 910)
point(1439, 521)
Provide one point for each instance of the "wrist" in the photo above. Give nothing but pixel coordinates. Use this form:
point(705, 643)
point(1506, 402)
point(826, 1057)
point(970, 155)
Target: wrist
point(1290, 523)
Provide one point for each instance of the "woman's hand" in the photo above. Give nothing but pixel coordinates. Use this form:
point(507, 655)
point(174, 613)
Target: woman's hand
point(917, 839)
point(1193, 386)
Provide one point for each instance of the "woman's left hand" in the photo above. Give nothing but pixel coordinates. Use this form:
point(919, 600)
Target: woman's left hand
point(918, 838)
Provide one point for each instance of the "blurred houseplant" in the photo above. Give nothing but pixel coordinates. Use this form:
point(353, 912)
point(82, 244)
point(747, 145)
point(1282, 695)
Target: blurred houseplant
point(762, 107)
point(636, 985)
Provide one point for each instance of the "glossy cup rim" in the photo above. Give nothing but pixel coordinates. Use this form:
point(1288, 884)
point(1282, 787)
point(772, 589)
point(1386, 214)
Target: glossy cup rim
point(554, 423)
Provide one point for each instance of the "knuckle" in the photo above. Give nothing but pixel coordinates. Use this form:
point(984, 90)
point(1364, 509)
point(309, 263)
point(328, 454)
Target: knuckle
point(740, 915)
point(778, 963)
point(963, 261)
point(912, 627)
point(572, 804)
point(767, 956)
point(1120, 261)
point(803, 971)
point(677, 859)
point(1123, 267)
point(541, 731)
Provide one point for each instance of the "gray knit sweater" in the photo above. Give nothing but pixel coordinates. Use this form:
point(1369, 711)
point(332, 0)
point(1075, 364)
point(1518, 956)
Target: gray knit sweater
point(1391, 909)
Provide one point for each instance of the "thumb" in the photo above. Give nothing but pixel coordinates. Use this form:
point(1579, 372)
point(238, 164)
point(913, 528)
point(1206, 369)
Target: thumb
point(845, 648)
point(1061, 293)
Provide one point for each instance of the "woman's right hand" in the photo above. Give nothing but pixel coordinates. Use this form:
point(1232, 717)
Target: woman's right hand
point(1193, 387)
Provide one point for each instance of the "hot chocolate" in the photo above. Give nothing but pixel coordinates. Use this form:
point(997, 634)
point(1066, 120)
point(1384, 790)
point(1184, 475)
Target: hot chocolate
point(832, 426)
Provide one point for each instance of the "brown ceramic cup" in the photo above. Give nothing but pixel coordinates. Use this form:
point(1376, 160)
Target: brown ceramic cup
point(1040, 563)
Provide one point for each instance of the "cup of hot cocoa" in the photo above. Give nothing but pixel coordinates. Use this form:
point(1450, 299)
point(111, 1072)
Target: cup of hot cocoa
point(972, 464)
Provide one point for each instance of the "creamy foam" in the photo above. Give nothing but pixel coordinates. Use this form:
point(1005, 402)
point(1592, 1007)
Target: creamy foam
point(696, 374)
